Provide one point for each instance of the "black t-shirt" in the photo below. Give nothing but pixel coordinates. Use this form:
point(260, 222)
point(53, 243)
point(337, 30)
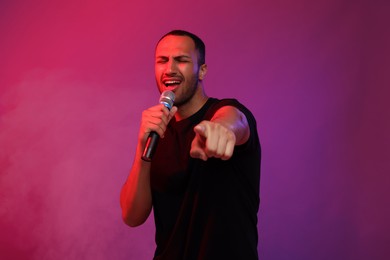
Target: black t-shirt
point(205, 210)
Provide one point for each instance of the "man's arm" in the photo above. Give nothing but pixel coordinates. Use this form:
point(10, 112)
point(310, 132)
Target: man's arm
point(217, 137)
point(136, 195)
point(136, 198)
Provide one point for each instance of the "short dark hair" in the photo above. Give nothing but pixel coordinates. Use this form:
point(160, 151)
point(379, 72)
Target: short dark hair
point(199, 44)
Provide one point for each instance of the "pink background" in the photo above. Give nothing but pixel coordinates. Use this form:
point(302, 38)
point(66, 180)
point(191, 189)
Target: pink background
point(75, 76)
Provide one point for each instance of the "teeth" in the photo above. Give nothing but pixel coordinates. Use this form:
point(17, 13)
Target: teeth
point(171, 82)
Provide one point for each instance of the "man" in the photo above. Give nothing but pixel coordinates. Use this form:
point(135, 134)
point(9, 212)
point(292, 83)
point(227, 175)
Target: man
point(203, 181)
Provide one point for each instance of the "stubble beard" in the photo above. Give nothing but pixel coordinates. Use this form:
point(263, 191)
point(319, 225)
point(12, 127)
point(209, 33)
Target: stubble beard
point(189, 92)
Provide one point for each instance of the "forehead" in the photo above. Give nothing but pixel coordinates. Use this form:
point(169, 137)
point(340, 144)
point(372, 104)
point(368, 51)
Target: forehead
point(175, 45)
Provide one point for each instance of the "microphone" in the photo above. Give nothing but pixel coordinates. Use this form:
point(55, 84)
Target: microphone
point(167, 98)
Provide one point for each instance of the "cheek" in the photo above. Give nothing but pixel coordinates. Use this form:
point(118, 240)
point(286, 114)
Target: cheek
point(158, 73)
point(189, 70)
point(159, 68)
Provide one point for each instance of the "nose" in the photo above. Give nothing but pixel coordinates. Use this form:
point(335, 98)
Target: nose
point(171, 67)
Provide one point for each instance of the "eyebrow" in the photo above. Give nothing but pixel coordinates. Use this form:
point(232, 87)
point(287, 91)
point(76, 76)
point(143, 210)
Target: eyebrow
point(175, 57)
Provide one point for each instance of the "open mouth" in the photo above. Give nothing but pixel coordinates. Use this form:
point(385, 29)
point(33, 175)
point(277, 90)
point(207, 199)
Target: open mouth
point(171, 83)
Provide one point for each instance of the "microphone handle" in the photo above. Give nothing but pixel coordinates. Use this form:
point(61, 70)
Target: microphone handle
point(150, 147)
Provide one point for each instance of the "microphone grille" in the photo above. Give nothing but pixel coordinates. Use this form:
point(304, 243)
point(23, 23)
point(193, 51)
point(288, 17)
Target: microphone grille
point(167, 98)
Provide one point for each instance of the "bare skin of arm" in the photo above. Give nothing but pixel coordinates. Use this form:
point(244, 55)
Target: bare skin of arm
point(136, 196)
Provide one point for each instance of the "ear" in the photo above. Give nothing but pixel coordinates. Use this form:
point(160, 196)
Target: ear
point(202, 71)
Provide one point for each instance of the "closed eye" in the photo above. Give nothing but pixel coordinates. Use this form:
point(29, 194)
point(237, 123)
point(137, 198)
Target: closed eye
point(161, 61)
point(183, 58)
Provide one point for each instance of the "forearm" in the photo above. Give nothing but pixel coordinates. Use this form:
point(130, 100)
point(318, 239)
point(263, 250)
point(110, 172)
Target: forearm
point(234, 120)
point(136, 198)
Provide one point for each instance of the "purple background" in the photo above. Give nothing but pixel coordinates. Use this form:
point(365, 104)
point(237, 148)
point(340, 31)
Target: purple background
point(75, 76)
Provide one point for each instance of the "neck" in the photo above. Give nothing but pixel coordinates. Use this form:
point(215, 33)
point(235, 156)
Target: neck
point(192, 106)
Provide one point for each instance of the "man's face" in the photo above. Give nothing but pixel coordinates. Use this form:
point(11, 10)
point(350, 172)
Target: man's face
point(176, 67)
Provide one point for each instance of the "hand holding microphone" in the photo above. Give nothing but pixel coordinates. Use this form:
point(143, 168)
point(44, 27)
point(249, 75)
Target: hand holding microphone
point(167, 98)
